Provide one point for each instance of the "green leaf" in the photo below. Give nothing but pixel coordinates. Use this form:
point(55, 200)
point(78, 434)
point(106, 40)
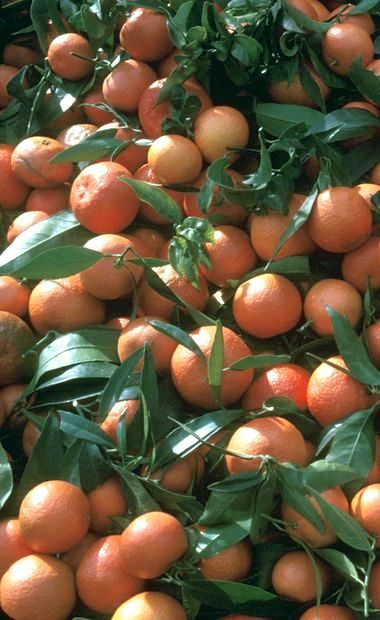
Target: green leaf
point(365, 81)
point(40, 12)
point(138, 499)
point(311, 87)
point(343, 124)
point(58, 263)
point(304, 21)
point(215, 539)
point(341, 562)
point(119, 380)
point(323, 475)
point(184, 507)
point(246, 50)
point(88, 150)
point(275, 118)
point(259, 361)
point(353, 350)
point(297, 500)
point(159, 200)
point(356, 162)
point(179, 335)
point(215, 363)
point(83, 372)
point(263, 175)
point(76, 426)
point(6, 477)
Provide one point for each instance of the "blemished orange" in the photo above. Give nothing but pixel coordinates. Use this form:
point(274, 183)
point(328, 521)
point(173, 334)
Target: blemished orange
point(340, 220)
point(101, 202)
point(74, 556)
point(232, 564)
point(17, 55)
point(38, 586)
point(108, 279)
point(95, 114)
point(175, 159)
point(150, 606)
point(147, 212)
point(294, 93)
point(54, 516)
point(284, 380)
point(23, 222)
point(273, 436)
point(218, 129)
point(343, 43)
point(14, 296)
point(372, 335)
point(13, 546)
point(189, 371)
point(362, 266)
point(62, 59)
point(374, 585)
point(49, 200)
point(267, 305)
point(123, 87)
point(293, 576)
point(336, 294)
point(64, 305)
point(13, 192)
point(367, 190)
point(31, 162)
point(152, 115)
point(103, 580)
point(132, 156)
point(151, 543)
point(364, 20)
point(266, 230)
point(145, 35)
point(128, 408)
point(299, 527)
point(16, 338)
point(106, 501)
point(73, 134)
point(139, 332)
point(231, 255)
point(7, 72)
point(365, 508)
point(328, 612)
point(332, 394)
point(178, 476)
point(148, 298)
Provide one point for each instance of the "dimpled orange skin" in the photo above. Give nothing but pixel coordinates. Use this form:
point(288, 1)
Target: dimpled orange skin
point(13, 192)
point(218, 129)
point(231, 564)
point(365, 508)
point(106, 501)
point(267, 305)
point(13, 546)
point(363, 264)
point(189, 372)
point(62, 60)
point(145, 35)
point(123, 87)
point(343, 43)
point(54, 516)
point(285, 380)
point(151, 543)
point(337, 294)
point(101, 202)
point(273, 436)
point(293, 576)
point(31, 162)
point(175, 159)
point(150, 606)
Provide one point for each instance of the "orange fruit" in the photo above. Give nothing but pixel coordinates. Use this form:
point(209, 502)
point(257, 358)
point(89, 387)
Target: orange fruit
point(62, 60)
point(10, 395)
point(368, 132)
point(305, 7)
point(38, 586)
point(133, 156)
point(7, 72)
point(167, 65)
point(293, 576)
point(320, 9)
point(328, 612)
point(294, 93)
point(150, 606)
point(266, 230)
point(231, 255)
point(73, 134)
point(31, 162)
point(16, 338)
point(107, 279)
point(49, 200)
point(96, 115)
point(231, 564)
point(267, 305)
point(151, 236)
point(123, 87)
point(100, 201)
point(178, 476)
point(365, 508)
point(374, 474)
point(18, 56)
point(337, 294)
point(285, 380)
point(274, 436)
point(232, 212)
point(364, 20)
point(343, 43)
point(138, 332)
point(152, 115)
point(110, 423)
point(332, 394)
point(372, 334)
point(374, 175)
point(117, 322)
point(218, 129)
point(54, 516)
point(175, 159)
point(147, 212)
point(340, 220)
point(13, 192)
point(361, 265)
point(373, 585)
point(64, 305)
point(145, 35)
point(74, 556)
point(102, 579)
point(14, 296)
point(299, 527)
point(73, 115)
point(151, 543)
point(148, 298)
point(367, 190)
point(13, 546)
point(23, 222)
point(106, 501)
point(189, 371)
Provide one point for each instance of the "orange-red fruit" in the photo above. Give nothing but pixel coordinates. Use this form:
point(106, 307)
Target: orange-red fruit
point(365, 508)
point(31, 162)
point(94, 114)
point(150, 606)
point(103, 578)
point(123, 87)
point(64, 63)
point(23, 222)
point(364, 20)
point(336, 294)
point(128, 408)
point(132, 156)
point(373, 585)
point(147, 212)
point(101, 202)
point(273, 436)
point(13, 192)
point(267, 305)
point(294, 93)
point(372, 334)
point(12, 544)
point(7, 72)
point(328, 612)
point(145, 35)
point(363, 265)
point(189, 371)
point(106, 501)
point(175, 159)
point(50, 200)
point(231, 564)
point(343, 43)
point(284, 380)
point(151, 543)
point(14, 296)
point(294, 576)
point(340, 220)
point(218, 129)
point(332, 394)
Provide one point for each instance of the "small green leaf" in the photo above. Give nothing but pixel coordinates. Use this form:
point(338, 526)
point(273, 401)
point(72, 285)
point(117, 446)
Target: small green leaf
point(81, 428)
point(365, 81)
point(88, 150)
point(341, 562)
point(58, 263)
point(215, 363)
point(138, 499)
point(179, 335)
point(259, 361)
point(275, 118)
point(6, 477)
point(116, 384)
point(159, 200)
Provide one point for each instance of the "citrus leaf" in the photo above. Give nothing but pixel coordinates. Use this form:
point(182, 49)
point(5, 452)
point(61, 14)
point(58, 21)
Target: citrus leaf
point(159, 200)
point(365, 80)
point(81, 428)
point(341, 562)
point(179, 335)
point(215, 539)
point(258, 361)
point(275, 118)
point(58, 263)
point(138, 499)
point(88, 150)
point(117, 382)
point(6, 477)
point(215, 363)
